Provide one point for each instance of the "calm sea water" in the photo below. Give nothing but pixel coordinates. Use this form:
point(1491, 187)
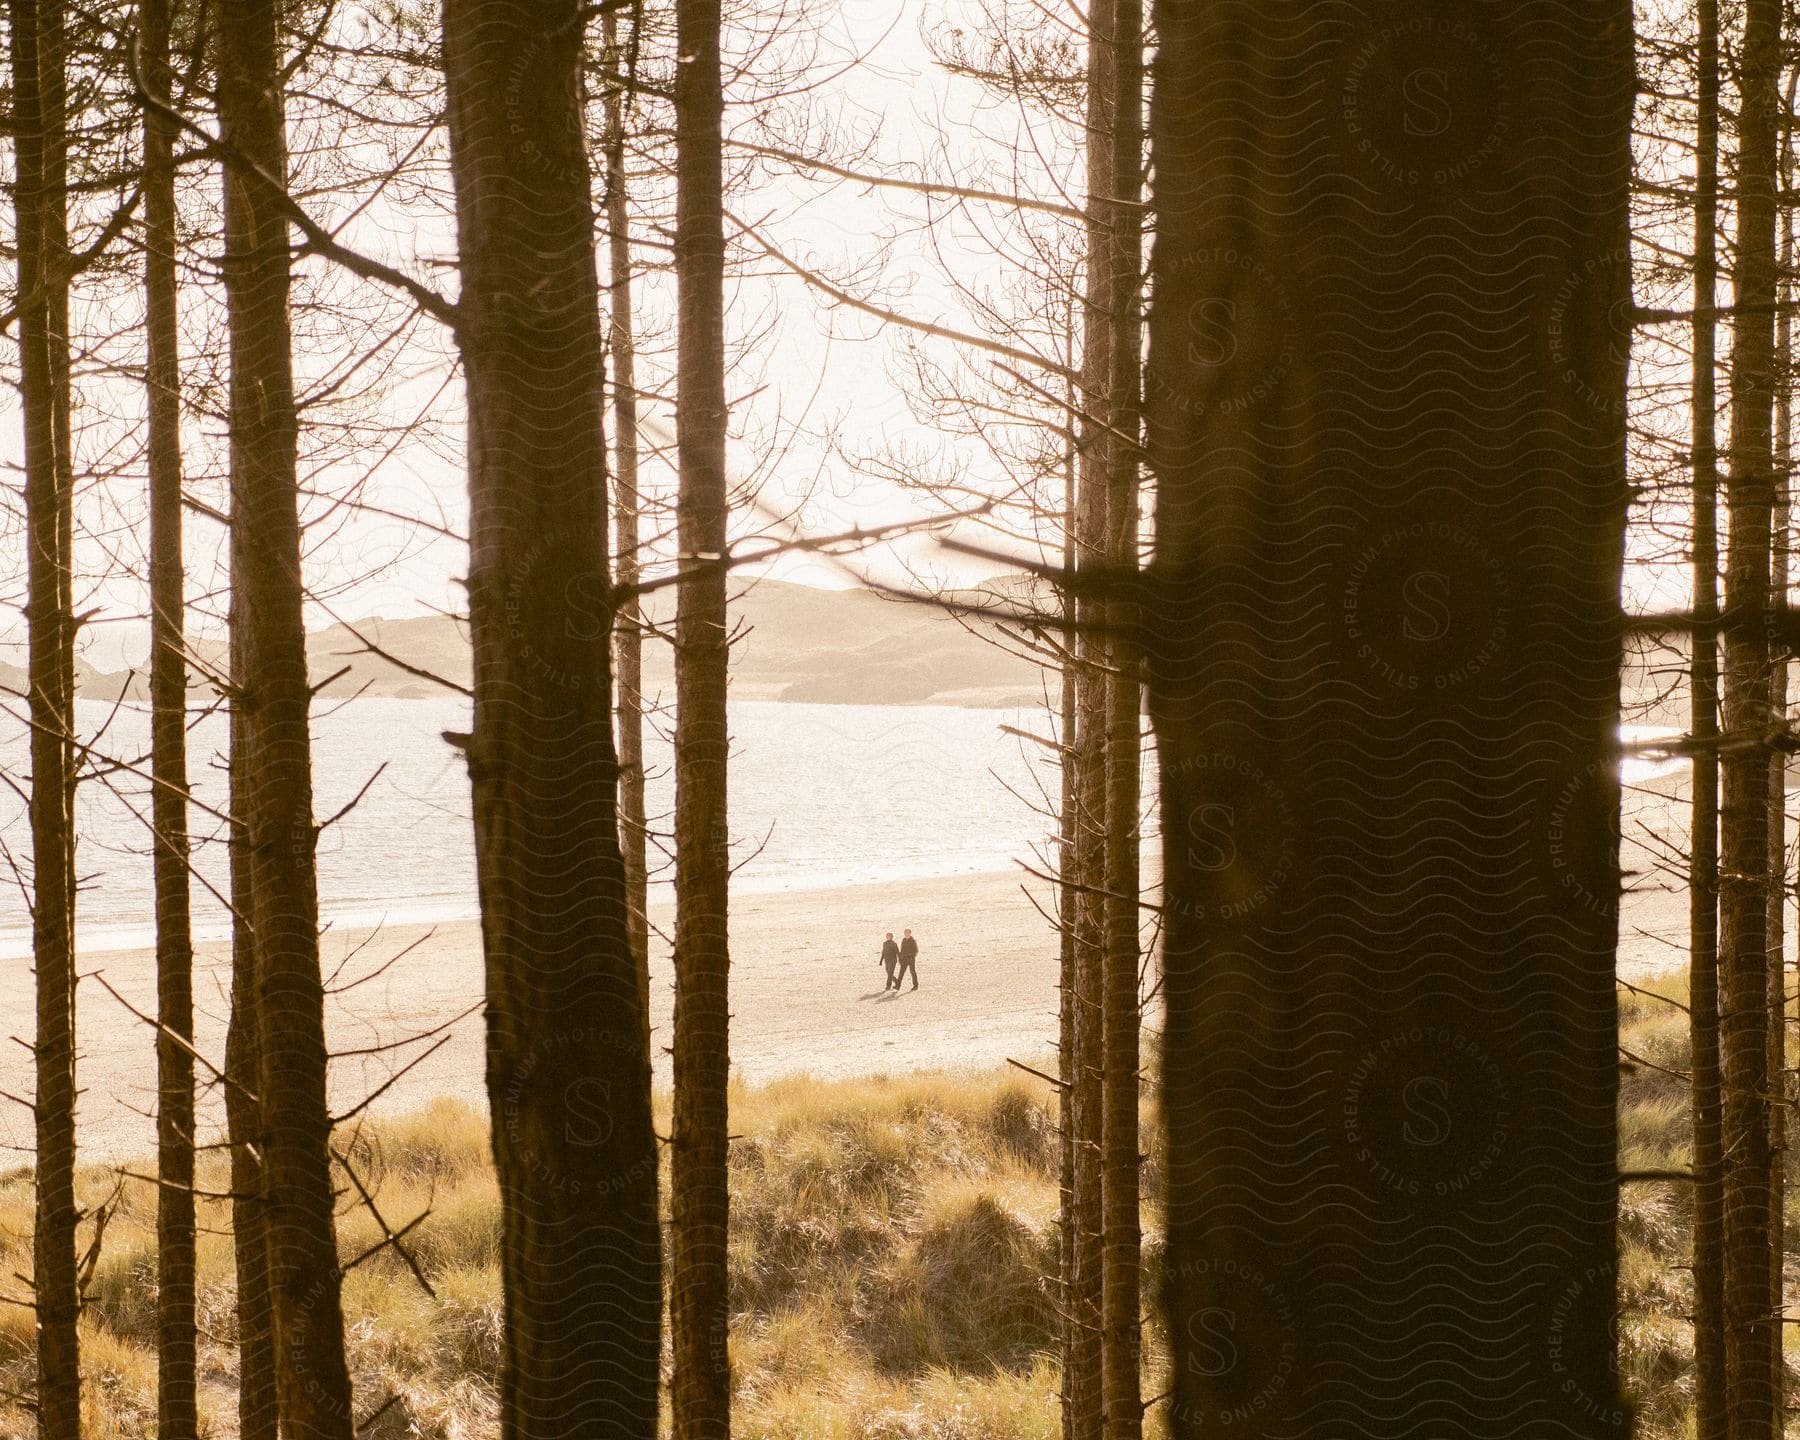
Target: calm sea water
point(821, 796)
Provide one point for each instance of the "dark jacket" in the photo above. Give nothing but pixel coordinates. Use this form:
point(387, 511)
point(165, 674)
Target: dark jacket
point(890, 953)
point(909, 947)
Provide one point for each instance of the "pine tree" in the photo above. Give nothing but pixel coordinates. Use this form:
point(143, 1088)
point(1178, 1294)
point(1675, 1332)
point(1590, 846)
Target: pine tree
point(1122, 1010)
point(1703, 881)
point(568, 1061)
point(280, 838)
point(1384, 646)
point(1746, 868)
point(41, 159)
point(700, 1299)
point(176, 1319)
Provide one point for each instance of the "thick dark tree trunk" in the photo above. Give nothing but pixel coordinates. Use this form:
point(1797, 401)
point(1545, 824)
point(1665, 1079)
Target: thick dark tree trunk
point(568, 1060)
point(700, 1299)
point(303, 1278)
point(41, 147)
point(1745, 865)
point(628, 629)
point(1122, 1308)
point(176, 1377)
point(1386, 399)
point(1703, 881)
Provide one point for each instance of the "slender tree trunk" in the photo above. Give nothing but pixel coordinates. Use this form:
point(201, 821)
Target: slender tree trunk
point(1122, 1306)
point(303, 1277)
point(1085, 1359)
point(628, 629)
point(700, 1302)
point(1703, 883)
point(258, 1408)
point(176, 1376)
point(41, 159)
point(1778, 760)
point(568, 1060)
point(1745, 863)
point(1383, 667)
point(1068, 914)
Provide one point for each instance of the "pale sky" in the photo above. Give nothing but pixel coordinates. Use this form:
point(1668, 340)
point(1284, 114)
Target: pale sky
point(814, 372)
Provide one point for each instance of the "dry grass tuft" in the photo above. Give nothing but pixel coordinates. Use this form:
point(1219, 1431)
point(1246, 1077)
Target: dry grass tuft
point(892, 1265)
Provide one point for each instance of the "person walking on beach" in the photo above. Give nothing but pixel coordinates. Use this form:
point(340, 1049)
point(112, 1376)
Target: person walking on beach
point(909, 955)
point(890, 957)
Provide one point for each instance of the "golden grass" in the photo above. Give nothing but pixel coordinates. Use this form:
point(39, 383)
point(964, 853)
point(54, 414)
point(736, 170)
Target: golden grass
point(892, 1263)
point(891, 1253)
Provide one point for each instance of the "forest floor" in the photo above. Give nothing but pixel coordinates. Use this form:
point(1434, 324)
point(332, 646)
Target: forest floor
point(893, 1255)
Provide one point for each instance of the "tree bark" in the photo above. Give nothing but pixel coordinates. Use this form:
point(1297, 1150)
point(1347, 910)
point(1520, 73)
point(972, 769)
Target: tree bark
point(1703, 880)
point(628, 628)
point(176, 1355)
point(1383, 646)
point(258, 1408)
point(41, 150)
point(1779, 529)
point(700, 1302)
point(568, 1062)
point(1068, 916)
point(1093, 656)
point(312, 1379)
point(1121, 1301)
point(1746, 866)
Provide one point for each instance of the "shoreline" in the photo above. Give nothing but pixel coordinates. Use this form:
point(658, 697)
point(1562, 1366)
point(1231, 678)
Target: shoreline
point(806, 999)
point(116, 939)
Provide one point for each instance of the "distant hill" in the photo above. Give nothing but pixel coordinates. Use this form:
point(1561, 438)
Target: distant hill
point(795, 643)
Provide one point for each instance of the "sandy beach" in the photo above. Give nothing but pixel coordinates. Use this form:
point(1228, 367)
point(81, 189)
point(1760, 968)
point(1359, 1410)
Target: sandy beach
point(806, 990)
point(807, 997)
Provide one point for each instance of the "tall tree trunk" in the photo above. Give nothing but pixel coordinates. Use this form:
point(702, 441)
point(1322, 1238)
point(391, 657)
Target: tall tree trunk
point(1383, 667)
point(1703, 880)
point(1121, 1300)
point(176, 1355)
point(313, 1382)
point(258, 1408)
point(1745, 863)
point(628, 628)
point(1779, 566)
point(568, 1059)
point(1085, 1359)
point(41, 149)
point(1068, 916)
point(700, 1302)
